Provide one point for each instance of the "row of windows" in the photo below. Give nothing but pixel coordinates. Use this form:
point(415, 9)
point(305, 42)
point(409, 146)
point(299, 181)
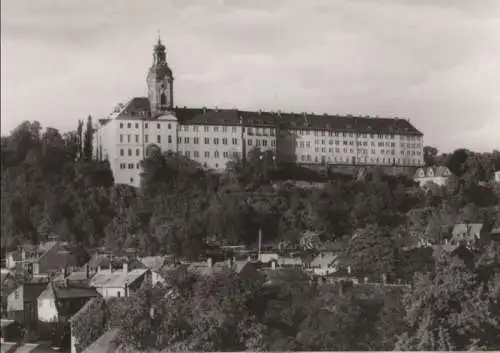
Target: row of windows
point(352, 160)
point(146, 125)
point(130, 166)
point(206, 140)
point(146, 138)
point(130, 154)
point(262, 143)
point(352, 135)
point(208, 154)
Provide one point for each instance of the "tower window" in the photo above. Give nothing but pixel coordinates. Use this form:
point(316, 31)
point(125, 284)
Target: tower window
point(163, 99)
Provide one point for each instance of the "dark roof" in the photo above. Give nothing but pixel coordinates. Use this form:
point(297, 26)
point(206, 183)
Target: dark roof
point(304, 121)
point(32, 291)
point(138, 107)
point(75, 292)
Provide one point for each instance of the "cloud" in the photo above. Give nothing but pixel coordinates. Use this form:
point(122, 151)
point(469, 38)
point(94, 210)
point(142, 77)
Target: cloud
point(431, 62)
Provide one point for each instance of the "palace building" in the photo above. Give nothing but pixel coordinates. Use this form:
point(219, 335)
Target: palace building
point(213, 136)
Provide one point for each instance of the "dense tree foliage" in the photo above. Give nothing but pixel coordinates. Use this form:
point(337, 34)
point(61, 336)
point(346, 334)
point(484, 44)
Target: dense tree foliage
point(51, 186)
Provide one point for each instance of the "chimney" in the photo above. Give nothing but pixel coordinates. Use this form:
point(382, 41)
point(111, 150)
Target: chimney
point(209, 262)
point(125, 267)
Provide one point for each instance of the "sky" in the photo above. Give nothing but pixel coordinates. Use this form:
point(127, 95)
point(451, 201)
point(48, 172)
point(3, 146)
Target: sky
point(434, 62)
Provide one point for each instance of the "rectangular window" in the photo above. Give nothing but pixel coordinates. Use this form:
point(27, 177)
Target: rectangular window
point(216, 154)
point(249, 142)
point(235, 141)
point(264, 143)
point(146, 125)
point(129, 152)
point(195, 128)
point(216, 141)
point(234, 129)
point(131, 166)
point(186, 139)
point(136, 138)
point(146, 138)
point(273, 143)
point(207, 154)
point(224, 141)
point(226, 154)
point(207, 141)
point(158, 126)
point(121, 125)
point(169, 139)
point(196, 154)
point(196, 140)
point(121, 137)
point(158, 139)
point(224, 129)
point(136, 125)
point(128, 138)
point(205, 129)
point(186, 128)
point(188, 154)
point(257, 143)
point(121, 152)
point(137, 152)
point(216, 129)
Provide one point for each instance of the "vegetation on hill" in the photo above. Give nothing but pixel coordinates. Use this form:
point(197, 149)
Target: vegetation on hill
point(51, 186)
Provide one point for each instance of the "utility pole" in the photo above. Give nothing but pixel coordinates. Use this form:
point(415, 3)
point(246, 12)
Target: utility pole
point(260, 242)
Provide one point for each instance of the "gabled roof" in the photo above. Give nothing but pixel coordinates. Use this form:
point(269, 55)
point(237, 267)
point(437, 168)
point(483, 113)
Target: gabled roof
point(116, 279)
point(436, 171)
point(154, 263)
point(136, 108)
point(470, 230)
point(324, 259)
point(31, 291)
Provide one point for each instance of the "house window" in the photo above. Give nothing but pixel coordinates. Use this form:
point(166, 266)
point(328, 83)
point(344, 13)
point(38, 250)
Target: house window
point(129, 125)
point(158, 139)
point(158, 126)
point(121, 152)
point(137, 152)
point(207, 141)
point(146, 138)
point(121, 137)
point(136, 138)
point(129, 152)
point(169, 139)
point(121, 125)
point(146, 125)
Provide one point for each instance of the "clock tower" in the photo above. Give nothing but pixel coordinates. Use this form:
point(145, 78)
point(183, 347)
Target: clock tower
point(160, 82)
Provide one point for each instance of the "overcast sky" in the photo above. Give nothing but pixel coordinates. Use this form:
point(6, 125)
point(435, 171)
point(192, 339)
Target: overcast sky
point(435, 62)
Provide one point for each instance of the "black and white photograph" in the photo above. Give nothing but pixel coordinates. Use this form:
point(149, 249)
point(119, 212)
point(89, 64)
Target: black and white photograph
point(250, 175)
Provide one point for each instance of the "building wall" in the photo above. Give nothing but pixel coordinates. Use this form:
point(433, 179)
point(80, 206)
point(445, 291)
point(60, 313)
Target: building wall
point(47, 310)
point(210, 145)
point(497, 176)
point(15, 299)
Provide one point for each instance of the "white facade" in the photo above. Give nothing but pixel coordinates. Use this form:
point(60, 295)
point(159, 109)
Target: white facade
point(216, 138)
point(47, 310)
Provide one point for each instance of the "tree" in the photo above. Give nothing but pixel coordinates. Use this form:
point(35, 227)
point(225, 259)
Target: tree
point(430, 154)
point(89, 324)
point(456, 307)
point(88, 142)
